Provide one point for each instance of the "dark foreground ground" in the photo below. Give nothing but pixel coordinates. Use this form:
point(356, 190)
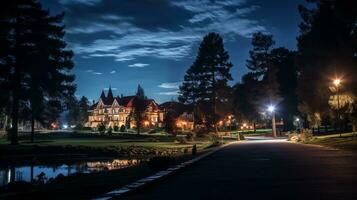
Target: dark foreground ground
point(262, 169)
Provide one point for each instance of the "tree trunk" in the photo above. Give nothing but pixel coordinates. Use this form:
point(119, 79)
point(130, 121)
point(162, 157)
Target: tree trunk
point(5, 122)
point(14, 116)
point(32, 128)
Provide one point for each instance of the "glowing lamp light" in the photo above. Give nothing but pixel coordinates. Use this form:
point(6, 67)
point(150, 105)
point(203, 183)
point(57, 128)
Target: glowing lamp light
point(271, 108)
point(65, 126)
point(244, 125)
point(146, 123)
point(297, 119)
point(337, 82)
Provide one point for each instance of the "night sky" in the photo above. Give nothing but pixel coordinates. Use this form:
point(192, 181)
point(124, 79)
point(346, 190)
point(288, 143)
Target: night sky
point(124, 43)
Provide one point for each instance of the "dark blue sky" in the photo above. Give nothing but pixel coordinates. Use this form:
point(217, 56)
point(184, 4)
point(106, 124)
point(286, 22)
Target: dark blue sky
point(124, 43)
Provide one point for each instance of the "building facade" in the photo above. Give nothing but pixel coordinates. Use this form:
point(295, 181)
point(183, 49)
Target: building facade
point(117, 111)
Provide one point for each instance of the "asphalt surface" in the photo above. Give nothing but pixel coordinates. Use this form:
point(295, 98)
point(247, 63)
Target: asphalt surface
point(262, 169)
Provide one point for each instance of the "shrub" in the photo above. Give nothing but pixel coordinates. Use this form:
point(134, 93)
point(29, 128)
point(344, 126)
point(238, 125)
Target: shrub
point(152, 131)
point(122, 128)
point(304, 136)
point(116, 128)
point(181, 140)
point(189, 136)
point(101, 128)
point(201, 132)
point(161, 162)
point(19, 186)
point(110, 130)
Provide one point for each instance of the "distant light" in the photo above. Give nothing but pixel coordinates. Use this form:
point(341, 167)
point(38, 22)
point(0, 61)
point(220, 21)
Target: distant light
point(337, 82)
point(271, 108)
point(297, 119)
point(64, 126)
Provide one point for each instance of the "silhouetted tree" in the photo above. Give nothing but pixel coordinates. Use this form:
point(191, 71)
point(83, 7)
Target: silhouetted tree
point(261, 65)
point(284, 61)
point(209, 74)
point(39, 68)
point(139, 108)
point(169, 122)
point(326, 50)
point(246, 99)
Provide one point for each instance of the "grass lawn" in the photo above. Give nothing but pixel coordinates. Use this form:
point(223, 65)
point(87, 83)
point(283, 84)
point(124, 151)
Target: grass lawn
point(94, 183)
point(53, 148)
point(348, 141)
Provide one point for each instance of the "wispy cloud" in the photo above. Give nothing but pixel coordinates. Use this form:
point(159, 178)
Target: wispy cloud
point(170, 93)
point(91, 71)
point(113, 88)
point(85, 2)
point(113, 72)
point(173, 85)
point(130, 36)
point(139, 65)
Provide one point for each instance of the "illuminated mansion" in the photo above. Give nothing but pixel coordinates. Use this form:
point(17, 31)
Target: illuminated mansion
point(115, 111)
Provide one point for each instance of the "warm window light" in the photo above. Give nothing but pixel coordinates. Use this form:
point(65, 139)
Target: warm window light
point(146, 123)
point(271, 108)
point(244, 125)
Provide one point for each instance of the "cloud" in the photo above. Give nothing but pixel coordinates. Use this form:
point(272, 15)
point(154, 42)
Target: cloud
point(85, 2)
point(113, 72)
point(113, 88)
point(170, 93)
point(115, 29)
point(139, 65)
point(91, 71)
point(173, 85)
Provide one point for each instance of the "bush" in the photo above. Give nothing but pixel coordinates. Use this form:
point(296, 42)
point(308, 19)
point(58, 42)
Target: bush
point(304, 136)
point(152, 131)
point(101, 128)
point(161, 162)
point(122, 128)
point(181, 140)
point(189, 136)
point(110, 130)
point(116, 128)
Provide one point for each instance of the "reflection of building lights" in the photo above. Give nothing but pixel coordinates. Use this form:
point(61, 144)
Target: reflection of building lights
point(241, 127)
point(221, 123)
point(146, 123)
point(184, 123)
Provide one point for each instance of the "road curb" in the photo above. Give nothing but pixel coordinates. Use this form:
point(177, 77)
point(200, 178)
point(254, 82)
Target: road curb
point(159, 175)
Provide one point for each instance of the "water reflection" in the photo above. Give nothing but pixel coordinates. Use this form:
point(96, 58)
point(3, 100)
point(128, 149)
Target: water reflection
point(42, 173)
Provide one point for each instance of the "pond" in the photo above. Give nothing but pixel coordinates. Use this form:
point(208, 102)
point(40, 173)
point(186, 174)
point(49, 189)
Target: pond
point(44, 173)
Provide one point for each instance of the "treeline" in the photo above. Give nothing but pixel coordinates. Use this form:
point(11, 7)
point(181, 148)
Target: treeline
point(35, 65)
point(299, 83)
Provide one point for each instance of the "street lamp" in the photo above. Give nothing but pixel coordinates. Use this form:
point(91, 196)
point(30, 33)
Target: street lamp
point(271, 109)
point(337, 83)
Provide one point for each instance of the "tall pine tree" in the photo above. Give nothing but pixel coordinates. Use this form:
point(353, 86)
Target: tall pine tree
point(40, 64)
point(210, 74)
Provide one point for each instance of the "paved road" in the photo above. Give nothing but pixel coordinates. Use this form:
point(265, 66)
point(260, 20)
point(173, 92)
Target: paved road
point(262, 169)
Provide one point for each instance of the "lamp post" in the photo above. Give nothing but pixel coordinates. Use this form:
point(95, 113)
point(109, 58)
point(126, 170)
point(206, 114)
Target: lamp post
point(271, 109)
point(337, 83)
